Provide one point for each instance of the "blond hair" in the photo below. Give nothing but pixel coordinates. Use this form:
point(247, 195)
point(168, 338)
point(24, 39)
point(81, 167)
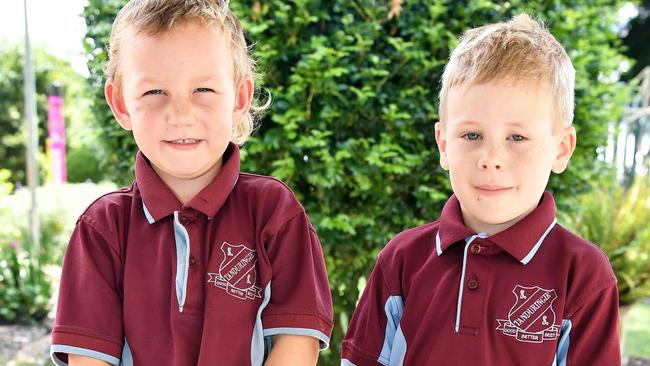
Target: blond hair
point(154, 17)
point(520, 50)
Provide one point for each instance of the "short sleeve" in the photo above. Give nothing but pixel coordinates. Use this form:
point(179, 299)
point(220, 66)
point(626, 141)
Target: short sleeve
point(591, 334)
point(374, 336)
point(300, 302)
point(89, 309)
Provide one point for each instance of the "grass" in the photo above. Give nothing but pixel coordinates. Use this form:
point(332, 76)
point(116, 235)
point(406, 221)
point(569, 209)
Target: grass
point(637, 330)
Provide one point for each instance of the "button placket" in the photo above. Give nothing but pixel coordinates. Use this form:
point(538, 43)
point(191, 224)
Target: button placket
point(472, 246)
point(475, 248)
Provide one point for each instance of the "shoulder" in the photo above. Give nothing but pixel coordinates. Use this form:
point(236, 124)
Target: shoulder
point(410, 246)
point(269, 199)
point(262, 184)
point(109, 204)
point(583, 265)
point(418, 239)
point(109, 210)
point(581, 253)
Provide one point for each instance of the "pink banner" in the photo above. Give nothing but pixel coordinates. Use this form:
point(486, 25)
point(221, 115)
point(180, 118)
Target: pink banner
point(56, 140)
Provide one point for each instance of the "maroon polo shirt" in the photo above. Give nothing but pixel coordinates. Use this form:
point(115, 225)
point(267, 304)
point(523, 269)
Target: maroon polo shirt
point(149, 281)
point(442, 294)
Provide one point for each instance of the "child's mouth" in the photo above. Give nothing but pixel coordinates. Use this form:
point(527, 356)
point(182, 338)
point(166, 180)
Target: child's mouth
point(184, 144)
point(184, 141)
point(492, 190)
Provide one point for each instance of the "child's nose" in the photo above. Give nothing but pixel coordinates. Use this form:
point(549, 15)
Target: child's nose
point(492, 158)
point(181, 113)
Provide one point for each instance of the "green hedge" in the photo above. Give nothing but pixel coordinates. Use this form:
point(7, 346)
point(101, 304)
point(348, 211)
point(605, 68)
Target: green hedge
point(354, 103)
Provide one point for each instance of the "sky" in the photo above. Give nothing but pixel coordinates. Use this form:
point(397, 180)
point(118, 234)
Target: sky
point(55, 25)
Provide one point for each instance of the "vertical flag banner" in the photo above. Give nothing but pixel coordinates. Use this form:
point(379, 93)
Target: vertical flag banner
point(56, 135)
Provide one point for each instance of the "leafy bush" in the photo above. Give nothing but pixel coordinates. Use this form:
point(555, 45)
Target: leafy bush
point(83, 164)
point(617, 220)
point(24, 286)
point(354, 87)
point(25, 281)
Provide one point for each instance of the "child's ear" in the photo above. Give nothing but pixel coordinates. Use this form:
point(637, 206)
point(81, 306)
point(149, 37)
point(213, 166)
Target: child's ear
point(442, 145)
point(116, 102)
point(567, 144)
point(243, 99)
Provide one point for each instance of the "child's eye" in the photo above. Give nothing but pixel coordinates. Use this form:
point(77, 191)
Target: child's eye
point(472, 136)
point(204, 90)
point(154, 92)
point(517, 138)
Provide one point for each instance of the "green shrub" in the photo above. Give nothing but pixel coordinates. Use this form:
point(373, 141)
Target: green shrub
point(617, 220)
point(25, 288)
point(83, 164)
point(25, 281)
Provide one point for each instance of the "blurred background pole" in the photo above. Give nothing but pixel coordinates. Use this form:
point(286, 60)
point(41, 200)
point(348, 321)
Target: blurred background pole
point(29, 91)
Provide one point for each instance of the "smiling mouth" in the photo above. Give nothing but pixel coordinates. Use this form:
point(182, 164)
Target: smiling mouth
point(184, 141)
point(492, 190)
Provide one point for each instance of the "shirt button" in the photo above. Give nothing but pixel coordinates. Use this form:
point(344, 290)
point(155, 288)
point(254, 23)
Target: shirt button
point(192, 261)
point(475, 248)
point(472, 284)
point(184, 220)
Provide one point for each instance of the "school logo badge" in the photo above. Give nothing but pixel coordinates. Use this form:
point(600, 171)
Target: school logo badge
point(531, 318)
point(237, 272)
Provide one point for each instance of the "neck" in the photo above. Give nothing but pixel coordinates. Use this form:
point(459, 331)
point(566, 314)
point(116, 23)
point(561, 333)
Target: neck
point(491, 228)
point(187, 188)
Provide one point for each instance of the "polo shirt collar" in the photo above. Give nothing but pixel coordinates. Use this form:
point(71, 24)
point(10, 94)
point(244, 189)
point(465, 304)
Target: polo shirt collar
point(158, 200)
point(522, 240)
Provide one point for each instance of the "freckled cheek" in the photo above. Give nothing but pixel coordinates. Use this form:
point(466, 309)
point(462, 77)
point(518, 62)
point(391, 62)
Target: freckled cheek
point(210, 110)
point(204, 100)
point(532, 161)
point(523, 153)
point(212, 104)
point(149, 109)
point(211, 116)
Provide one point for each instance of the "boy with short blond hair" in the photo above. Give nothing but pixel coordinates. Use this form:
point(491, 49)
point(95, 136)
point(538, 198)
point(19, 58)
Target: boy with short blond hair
point(196, 263)
point(494, 281)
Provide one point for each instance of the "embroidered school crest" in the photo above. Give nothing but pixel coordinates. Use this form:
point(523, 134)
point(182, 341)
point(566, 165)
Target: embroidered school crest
point(531, 318)
point(237, 272)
